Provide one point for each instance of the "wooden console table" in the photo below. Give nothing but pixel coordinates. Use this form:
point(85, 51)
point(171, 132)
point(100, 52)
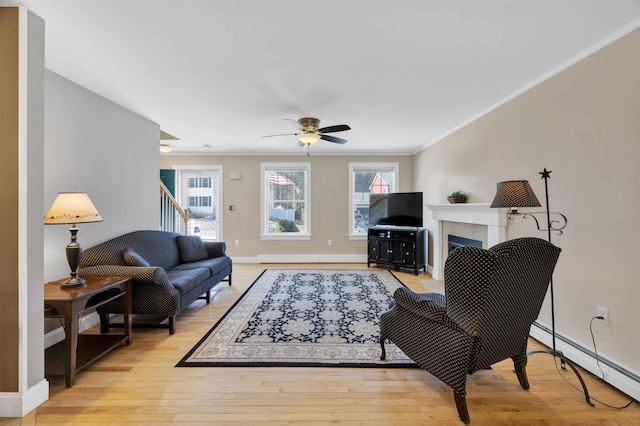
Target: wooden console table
point(71, 303)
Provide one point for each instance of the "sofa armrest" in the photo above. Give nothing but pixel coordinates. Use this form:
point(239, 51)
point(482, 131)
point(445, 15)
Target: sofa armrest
point(428, 305)
point(216, 248)
point(147, 275)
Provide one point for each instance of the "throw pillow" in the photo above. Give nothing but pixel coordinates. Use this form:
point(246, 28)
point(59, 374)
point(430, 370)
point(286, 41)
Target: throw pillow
point(132, 258)
point(191, 248)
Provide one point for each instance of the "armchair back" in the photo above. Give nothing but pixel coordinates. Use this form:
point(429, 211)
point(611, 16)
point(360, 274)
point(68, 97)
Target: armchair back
point(496, 294)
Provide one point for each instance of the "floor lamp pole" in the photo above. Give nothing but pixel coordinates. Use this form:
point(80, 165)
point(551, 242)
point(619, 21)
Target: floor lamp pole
point(545, 176)
point(564, 361)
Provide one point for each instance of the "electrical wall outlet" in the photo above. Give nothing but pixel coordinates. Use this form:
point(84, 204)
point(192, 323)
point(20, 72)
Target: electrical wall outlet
point(604, 313)
point(329, 242)
point(237, 242)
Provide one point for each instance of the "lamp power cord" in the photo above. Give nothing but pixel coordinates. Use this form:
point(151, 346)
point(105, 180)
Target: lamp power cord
point(595, 349)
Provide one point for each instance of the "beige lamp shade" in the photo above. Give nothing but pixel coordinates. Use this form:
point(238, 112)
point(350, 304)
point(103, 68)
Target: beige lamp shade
point(515, 193)
point(70, 208)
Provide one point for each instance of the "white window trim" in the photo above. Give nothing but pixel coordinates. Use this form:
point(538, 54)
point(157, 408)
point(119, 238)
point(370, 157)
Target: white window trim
point(264, 184)
point(354, 167)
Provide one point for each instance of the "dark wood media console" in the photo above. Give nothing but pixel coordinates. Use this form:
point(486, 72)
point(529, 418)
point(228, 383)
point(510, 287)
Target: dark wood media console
point(397, 246)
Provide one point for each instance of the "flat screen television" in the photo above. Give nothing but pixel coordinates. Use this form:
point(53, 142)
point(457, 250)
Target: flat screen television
point(396, 209)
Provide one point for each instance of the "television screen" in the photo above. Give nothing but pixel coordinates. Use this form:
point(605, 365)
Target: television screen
point(396, 209)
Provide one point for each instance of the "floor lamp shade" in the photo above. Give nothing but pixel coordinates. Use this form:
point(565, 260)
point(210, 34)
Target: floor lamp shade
point(513, 194)
point(72, 208)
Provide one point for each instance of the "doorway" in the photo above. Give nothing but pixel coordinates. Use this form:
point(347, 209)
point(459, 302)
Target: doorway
point(200, 191)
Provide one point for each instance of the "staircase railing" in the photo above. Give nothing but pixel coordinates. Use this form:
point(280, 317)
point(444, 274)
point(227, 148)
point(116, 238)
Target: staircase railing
point(173, 218)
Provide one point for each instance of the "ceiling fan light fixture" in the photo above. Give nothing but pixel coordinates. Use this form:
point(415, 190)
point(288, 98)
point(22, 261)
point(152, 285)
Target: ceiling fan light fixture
point(165, 147)
point(308, 138)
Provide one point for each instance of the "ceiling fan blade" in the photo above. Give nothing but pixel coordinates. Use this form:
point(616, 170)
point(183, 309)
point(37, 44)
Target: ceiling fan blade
point(331, 129)
point(333, 139)
point(294, 123)
point(299, 143)
point(281, 134)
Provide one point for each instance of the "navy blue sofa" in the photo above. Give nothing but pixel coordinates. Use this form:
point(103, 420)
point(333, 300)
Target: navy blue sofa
point(170, 271)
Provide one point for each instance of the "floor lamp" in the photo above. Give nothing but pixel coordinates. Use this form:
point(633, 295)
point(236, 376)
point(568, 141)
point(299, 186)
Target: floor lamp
point(518, 193)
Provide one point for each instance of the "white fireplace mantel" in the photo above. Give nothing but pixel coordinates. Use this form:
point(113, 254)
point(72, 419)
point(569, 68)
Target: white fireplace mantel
point(475, 213)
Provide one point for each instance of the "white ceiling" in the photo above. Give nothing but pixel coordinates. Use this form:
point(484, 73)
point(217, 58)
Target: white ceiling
point(401, 73)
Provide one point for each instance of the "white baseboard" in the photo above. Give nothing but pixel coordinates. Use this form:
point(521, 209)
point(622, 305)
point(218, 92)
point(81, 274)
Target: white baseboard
point(57, 335)
point(19, 404)
point(310, 258)
point(302, 258)
point(618, 376)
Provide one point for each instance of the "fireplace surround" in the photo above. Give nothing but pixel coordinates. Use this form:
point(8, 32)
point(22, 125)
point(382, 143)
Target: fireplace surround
point(481, 219)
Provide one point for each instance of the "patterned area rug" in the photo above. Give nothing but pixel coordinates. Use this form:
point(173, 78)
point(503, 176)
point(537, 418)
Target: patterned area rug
point(304, 318)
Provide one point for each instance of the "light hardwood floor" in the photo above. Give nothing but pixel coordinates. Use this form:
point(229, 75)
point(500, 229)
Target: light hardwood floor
point(139, 385)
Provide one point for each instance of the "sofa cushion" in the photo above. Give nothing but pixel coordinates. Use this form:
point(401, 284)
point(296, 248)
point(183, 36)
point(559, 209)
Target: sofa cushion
point(188, 279)
point(132, 258)
point(215, 265)
point(191, 248)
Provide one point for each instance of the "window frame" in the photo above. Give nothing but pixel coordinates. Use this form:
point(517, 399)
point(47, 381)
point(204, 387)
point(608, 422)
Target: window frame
point(264, 202)
point(393, 167)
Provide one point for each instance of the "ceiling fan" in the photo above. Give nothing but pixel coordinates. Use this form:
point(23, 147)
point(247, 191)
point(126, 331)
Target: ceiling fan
point(310, 132)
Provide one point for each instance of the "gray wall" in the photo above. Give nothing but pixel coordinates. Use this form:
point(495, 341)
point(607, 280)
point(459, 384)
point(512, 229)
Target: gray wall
point(95, 146)
point(582, 124)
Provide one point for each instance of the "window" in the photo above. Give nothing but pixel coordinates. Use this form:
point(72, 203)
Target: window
point(199, 182)
point(199, 201)
point(285, 201)
point(365, 179)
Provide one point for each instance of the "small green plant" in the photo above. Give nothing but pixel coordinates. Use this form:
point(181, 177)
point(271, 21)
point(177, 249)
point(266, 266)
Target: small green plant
point(457, 194)
point(286, 225)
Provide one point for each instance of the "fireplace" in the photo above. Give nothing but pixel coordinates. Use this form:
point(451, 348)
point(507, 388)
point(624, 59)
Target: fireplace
point(468, 220)
point(455, 241)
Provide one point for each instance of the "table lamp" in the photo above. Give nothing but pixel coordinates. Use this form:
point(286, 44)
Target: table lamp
point(72, 208)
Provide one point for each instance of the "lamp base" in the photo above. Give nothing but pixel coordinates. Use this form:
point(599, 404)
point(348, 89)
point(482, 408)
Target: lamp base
point(566, 361)
point(74, 251)
point(74, 281)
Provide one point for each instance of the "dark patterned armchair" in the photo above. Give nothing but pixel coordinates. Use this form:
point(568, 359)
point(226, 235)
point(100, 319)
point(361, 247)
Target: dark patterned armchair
point(491, 299)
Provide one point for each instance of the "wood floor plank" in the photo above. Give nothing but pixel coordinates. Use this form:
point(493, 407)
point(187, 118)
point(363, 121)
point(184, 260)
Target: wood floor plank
point(140, 385)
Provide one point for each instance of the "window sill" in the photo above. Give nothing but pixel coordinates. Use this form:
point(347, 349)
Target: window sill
point(282, 237)
point(357, 236)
